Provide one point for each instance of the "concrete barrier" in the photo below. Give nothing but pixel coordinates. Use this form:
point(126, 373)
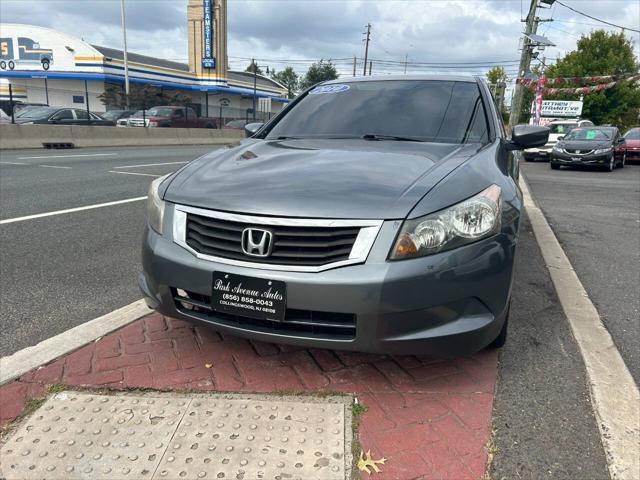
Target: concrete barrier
point(33, 136)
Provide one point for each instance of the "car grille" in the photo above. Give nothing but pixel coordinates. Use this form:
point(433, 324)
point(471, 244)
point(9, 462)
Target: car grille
point(136, 122)
point(292, 245)
point(572, 151)
point(306, 323)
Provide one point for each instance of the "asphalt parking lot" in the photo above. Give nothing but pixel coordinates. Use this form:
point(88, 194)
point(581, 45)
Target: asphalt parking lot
point(63, 270)
point(60, 271)
point(596, 218)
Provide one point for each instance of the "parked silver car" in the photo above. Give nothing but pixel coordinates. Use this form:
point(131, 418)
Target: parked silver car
point(373, 214)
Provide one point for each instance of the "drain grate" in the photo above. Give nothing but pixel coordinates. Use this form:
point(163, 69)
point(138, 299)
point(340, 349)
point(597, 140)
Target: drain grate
point(237, 437)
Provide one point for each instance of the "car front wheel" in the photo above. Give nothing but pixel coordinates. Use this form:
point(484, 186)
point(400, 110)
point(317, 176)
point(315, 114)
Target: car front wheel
point(501, 339)
point(612, 164)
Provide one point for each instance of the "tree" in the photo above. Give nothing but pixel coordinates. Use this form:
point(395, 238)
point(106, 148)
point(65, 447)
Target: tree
point(141, 96)
point(603, 53)
point(289, 78)
point(496, 75)
point(497, 79)
point(254, 68)
point(319, 72)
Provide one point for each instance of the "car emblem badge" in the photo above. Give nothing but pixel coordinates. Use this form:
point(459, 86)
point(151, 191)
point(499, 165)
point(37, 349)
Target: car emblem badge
point(257, 242)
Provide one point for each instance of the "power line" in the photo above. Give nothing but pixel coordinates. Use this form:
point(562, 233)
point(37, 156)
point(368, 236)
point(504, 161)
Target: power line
point(596, 18)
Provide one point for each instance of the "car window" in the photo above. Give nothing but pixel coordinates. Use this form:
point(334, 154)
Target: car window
point(112, 114)
point(633, 134)
point(429, 110)
point(35, 112)
point(160, 112)
point(562, 128)
point(587, 134)
point(81, 114)
point(178, 113)
point(63, 115)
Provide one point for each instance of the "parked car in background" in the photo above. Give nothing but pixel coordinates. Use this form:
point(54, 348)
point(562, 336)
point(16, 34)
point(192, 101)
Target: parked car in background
point(236, 124)
point(115, 115)
point(631, 145)
point(589, 146)
point(61, 116)
point(378, 214)
point(172, 116)
point(557, 129)
point(4, 118)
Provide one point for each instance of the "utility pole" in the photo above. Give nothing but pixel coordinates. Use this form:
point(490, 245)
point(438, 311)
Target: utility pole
point(366, 47)
point(354, 65)
point(406, 58)
point(525, 64)
point(126, 63)
point(255, 81)
point(370, 65)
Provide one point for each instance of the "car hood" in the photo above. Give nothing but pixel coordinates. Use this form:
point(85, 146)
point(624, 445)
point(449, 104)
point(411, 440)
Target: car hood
point(632, 143)
point(585, 144)
point(354, 179)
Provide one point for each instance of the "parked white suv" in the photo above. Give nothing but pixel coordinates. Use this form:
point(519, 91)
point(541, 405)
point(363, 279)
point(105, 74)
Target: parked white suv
point(558, 128)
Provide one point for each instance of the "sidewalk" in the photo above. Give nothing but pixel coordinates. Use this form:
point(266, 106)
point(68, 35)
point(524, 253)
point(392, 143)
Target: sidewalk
point(428, 418)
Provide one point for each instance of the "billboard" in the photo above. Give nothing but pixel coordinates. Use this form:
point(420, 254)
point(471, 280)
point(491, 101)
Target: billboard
point(559, 108)
point(207, 54)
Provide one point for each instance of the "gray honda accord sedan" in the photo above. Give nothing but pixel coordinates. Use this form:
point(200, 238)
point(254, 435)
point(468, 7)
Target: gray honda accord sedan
point(372, 214)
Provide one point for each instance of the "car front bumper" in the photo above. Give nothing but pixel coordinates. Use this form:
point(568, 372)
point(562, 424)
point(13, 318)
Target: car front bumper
point(599, 160)
point(449, 304)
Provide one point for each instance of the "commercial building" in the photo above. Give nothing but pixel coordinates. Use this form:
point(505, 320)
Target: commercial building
point(46, 66)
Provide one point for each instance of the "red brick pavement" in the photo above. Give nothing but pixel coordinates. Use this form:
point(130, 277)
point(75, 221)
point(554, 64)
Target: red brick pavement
point(430, 418)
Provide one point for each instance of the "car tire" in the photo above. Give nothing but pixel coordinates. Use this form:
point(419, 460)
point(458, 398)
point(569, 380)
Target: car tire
point(45, 64)
point(554, 166)
point(501, 339)
point(11, 65)
point(612, 164)
point(3, 65)
point(623, 161)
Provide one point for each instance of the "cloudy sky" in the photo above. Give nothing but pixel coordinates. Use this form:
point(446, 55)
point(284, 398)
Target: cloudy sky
point(481, 31)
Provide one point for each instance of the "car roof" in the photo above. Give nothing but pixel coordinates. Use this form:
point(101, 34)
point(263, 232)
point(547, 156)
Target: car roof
point(411, 77)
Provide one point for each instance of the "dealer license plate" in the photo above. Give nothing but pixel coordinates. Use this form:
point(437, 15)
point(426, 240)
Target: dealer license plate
point(249, 296)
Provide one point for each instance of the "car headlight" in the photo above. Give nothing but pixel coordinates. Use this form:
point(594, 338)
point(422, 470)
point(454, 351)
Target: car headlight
point(466, 222)
point(603, 150)
point(155, 205)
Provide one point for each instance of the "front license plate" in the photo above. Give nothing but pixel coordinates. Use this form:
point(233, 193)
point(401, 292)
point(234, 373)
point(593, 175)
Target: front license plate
point(576, 159)
point(249, 296)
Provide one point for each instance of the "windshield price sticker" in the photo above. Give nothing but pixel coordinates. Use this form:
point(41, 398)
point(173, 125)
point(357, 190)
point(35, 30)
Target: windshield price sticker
point(329, 89)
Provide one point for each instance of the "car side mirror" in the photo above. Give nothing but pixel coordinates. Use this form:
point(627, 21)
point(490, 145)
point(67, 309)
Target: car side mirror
point(528, 136)
point(251, 128)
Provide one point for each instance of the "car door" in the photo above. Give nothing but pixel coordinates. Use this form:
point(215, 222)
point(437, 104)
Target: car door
point(63, 117)
point(177, 119)
point(82, 118)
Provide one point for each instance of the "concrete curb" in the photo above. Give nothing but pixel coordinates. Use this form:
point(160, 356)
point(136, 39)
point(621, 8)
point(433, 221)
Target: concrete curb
point(13, 366)
point(615, 396)
point(33, 136)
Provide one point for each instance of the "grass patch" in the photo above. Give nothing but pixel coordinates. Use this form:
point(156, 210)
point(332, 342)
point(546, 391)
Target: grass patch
point(358, 409)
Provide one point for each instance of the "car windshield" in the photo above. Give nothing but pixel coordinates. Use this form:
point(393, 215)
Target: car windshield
point(112, 114)
point(159, 112)
point(425, 110)
point(588, 134)
point(36, 112)
point(562, 128)
point(633, 134)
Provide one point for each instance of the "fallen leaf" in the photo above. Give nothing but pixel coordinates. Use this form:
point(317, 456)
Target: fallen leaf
point(366, 461)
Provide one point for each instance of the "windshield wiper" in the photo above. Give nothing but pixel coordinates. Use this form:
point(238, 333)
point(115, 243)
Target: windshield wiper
point(377, 136)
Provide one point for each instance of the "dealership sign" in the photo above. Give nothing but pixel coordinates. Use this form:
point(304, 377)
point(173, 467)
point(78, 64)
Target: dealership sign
point(559, 108)
point(207, 59)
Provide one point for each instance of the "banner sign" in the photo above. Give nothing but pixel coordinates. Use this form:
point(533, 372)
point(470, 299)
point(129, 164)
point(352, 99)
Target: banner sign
point(541, 81)
point(558, 108)
point(207, 58)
